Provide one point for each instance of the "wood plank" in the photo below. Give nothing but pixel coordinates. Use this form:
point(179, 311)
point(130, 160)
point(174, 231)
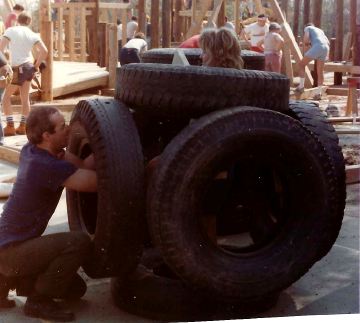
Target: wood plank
point(196, 25)
point(82, 35)
point(9, 154)
point(71, 34)
point(352, 174)
point(47, 37)
point(193, 11)
point(343, 119)
point(114, 16)
point(77, 5)
point(123, 20)
point(8, 5)
point(60, 33)
point(237, 16)
point(347, 46)
point(155, 36)
point(331, 67)
point(347, 131)
point(188, 13)
point(215, 12)
point(113, 54)
point(288, 65)
point(308, 93)
point(258, 7)
point(166, 23)
point(108, 5)
point(64, 107)
point(339, 91)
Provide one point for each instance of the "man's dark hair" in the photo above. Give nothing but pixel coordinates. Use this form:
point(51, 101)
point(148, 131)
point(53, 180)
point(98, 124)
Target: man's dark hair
point(134, 18)
point(18, 7)
point(24, 18)
point(310, 24)
point(118, 21)
point(261, 16)
point(39, 122)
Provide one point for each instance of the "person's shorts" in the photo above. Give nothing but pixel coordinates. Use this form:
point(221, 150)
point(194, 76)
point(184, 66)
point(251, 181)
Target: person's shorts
point(318, 52)
point(25, 73)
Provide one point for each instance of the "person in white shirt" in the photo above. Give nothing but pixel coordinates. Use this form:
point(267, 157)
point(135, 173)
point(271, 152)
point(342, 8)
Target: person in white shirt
point(272, 45)
point(133, 49)
point(131, 28)
point(257, 33)
point(21, 40)
point(228, 24)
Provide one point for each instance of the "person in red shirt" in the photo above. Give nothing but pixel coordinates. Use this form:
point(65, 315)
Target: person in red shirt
point(192, 42)
point(11, 17)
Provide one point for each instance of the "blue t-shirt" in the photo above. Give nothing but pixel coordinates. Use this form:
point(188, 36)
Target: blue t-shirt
point(35, 194)
point(317, 36)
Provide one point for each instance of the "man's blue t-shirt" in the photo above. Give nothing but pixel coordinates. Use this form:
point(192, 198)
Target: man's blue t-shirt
point(35, 194)
point(317, 36)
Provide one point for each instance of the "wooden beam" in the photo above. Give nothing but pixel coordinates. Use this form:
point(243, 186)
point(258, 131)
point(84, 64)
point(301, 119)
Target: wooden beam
point(47, 73)
point(83, 35)
point(60, 33)
point(347, 46)
point(193, 11)
point(288, 64)
point(77, 5)
point(284, 8)
point(166, 23)
point(123, 21)
point(339, 91)
point(295, 27)
point(108, 5)
point(317, 10)
point(72, 34)
point(339, 9)
point(221, 15)
point(237, 16)
point(179, 5)
point(142, 16)
point(352, 174)
point(343, 119)
point(95, 31)
point(347, 131)
point(155, 37)
point(258, 7)
point(8, 5)
point(306, 13)
point(104, 15)
point(216, 11)
point(9, 154)
point(332, 67)
point(356, 51)
point(45, 11)
point(113, 54)
point(308, 93)
point(196, 25)
point(114, 16)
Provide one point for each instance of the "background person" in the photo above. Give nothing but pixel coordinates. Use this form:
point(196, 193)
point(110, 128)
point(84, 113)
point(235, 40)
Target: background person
point(148, 31)
point(12, 16)
point(21, 40)
point(44, 170)
point(133, 49)
point(228, 24)
point(119, 36)
point(131, 28)
point(221, 48)
point(256, 31)
point(318, 51)
point(272, 45)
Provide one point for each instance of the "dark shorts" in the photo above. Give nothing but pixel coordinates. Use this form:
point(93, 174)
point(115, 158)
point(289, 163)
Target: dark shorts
point(25, 73)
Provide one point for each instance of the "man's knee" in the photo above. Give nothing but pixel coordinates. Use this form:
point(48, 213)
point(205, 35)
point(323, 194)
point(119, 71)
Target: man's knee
point(80, 242)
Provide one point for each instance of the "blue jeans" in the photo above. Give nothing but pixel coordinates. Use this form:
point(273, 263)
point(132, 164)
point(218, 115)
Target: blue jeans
point(129, 56)
point(1, 127)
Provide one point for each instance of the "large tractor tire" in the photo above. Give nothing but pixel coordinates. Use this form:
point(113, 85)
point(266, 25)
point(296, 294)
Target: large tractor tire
point(114, 217)
point(254, 141)
point(194, 91)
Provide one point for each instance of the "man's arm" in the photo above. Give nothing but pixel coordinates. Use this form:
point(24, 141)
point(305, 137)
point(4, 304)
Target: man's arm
point(42, 54)
point(83, 180)
point(87, 163)
point(260, 44)
point(243, 35)
point(3, 43)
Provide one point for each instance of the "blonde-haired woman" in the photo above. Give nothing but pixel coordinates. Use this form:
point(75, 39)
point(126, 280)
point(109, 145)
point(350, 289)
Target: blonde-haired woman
point(220, 48)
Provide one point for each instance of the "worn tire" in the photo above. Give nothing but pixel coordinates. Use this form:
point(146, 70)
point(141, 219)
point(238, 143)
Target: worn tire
point(310, 115)
point(191, 162)
point(154, 292)
point(194, 91)
point(106, 129)
point(252, 60)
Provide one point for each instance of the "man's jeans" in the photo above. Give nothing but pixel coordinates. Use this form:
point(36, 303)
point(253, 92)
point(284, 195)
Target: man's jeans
point(128, 56)
point(54, 258)
point(1, 127)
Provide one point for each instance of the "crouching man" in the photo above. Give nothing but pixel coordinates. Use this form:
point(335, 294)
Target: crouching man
point(44, 170)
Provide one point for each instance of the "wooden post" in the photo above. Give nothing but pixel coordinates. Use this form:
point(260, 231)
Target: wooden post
point(317, 10)
point(107, 49)
point(114, 16)
point(314, 74)
point(142, 16)
point(284, 8)
point(155, 8)
point(196, 25)
point(258, 7)
point(306, 13)
point(179, 6)
point(95, 31)
point(332, 49)
point(221, 16)
point(72, 34)
point(295, 27)
point(113, 55)
point(193, 8)
point(47, 73)
point(60, 34)
point(102, 44)
point(339, 38)
point(356, 45)
point(352, 100)
point(237, 16)
point(166, 23)
point(287, 63)
point(124, 23)
point(83, 34)
point(104, 15)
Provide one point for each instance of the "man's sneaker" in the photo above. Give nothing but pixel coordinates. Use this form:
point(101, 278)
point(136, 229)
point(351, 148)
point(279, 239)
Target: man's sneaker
point(20, 130)
point(5, 286)
point(299, 89)
point(46, 308)
point(9, 130)
point(317, 97)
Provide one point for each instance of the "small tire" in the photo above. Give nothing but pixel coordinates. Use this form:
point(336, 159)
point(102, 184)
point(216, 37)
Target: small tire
point(154, 292)
point(194, 91)
point(189, 164)
point(252, 60)
point(106, 129)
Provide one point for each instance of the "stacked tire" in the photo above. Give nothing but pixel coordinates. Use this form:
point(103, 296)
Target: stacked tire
point(248, 192)
point(252, 60)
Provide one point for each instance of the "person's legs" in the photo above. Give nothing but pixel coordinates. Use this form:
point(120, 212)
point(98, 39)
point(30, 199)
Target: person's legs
point(25, 106)
point(1, 126)
point(303, 63)
point(9, 130)
point(320, 72)
point(276, 63)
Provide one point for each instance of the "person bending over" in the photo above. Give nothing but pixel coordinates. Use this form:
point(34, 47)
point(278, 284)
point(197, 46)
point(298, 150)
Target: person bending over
point(44, 170)
point(318, 51)
point(221, 48)
point(133, 49)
